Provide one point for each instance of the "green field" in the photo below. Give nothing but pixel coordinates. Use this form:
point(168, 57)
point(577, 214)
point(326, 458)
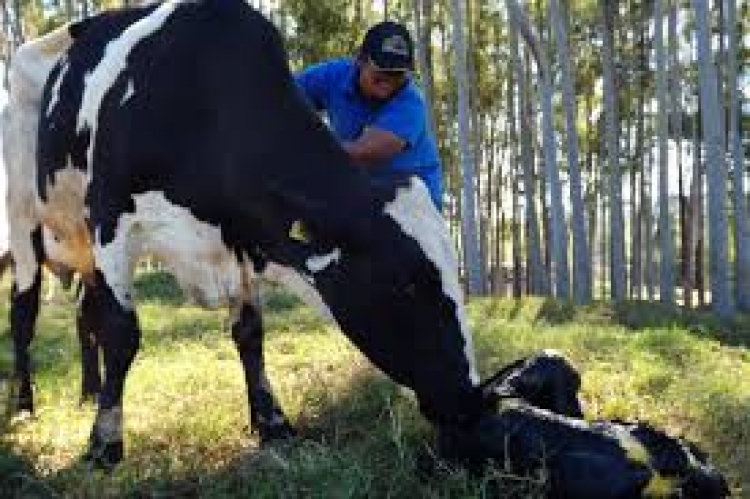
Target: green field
point(186, 428)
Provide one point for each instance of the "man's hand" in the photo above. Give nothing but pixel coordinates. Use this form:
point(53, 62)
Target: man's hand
point(374, 146)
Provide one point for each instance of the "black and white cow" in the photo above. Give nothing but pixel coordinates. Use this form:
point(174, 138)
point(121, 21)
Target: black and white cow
point(177, 130)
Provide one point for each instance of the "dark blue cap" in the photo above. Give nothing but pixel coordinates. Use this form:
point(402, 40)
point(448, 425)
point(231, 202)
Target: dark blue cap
point(389, 46)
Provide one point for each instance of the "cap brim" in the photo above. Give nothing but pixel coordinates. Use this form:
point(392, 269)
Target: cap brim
point(386, 68)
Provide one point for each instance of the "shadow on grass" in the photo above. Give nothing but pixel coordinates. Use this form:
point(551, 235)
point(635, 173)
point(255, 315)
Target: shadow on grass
point(348, 446)
point(363, 440)
point(18, 478)
point(734, 331)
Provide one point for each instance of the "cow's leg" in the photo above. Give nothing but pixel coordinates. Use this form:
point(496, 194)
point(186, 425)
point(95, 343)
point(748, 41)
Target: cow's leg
point(119, 337)
point(28, 73)
point(91, 383)
point(24, 308)
point(266, 416)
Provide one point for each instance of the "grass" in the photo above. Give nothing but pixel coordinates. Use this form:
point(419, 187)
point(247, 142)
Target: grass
point(186, 428)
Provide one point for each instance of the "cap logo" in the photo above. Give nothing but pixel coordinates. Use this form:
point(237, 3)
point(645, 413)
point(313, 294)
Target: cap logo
point(396, 44)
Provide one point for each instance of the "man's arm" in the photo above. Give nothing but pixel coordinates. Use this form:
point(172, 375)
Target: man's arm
point(374, 146)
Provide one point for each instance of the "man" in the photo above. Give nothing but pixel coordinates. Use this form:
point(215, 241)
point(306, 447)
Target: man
point(376, 110)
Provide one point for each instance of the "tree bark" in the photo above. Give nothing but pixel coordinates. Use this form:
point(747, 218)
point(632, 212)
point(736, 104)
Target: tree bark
point(742, 227)
point(666, 244)
point(617, 236)
point(535, 265)
point(716, 168)
point(472, 259)
point(581, 252)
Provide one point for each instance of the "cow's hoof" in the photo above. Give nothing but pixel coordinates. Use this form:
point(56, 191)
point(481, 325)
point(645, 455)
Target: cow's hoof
point(24, 407)
point(21, 417)
point(21, 396)
point(277, 432)
point(463, 448)
point(104, 455)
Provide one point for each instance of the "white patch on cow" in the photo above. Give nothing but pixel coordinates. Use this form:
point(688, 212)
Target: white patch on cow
point(29, 69)
point(109, 424)
point(319, 263)
point(114, 62)
point(191, 250)
point(55, 96)
point(417, 216)
point(129, 92)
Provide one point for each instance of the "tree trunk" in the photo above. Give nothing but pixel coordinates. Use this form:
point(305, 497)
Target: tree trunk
point(423, 24)
point(676, 132)
point(591, 190)
point(558, 239)
point(534, 264)
point(694, 214)
point(742, 229)
point(514, 162)
point(636, 274)
point(617, 236)
point(468, 174)
point(581, 252)
point(648, 229)
point(666, 244)
point(716, 168)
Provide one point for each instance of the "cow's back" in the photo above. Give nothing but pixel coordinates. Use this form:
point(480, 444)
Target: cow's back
point(195, 100)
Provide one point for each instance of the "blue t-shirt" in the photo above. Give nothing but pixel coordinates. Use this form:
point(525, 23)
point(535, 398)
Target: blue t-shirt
point(332, 87)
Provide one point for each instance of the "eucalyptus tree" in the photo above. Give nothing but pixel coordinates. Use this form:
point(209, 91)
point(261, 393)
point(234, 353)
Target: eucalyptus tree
point(581, 252)
point(422, 12)
point(535, 265)
point(716, 168)
point(611, 117)
point(637, 262)
point(666, 244)
point(469, 237)
point(676, 128)
point(649, 263)
point(558, 241)
point(742, 228)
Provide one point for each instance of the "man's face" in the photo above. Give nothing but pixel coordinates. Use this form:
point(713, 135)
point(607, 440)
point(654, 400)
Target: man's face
point(380, 85)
